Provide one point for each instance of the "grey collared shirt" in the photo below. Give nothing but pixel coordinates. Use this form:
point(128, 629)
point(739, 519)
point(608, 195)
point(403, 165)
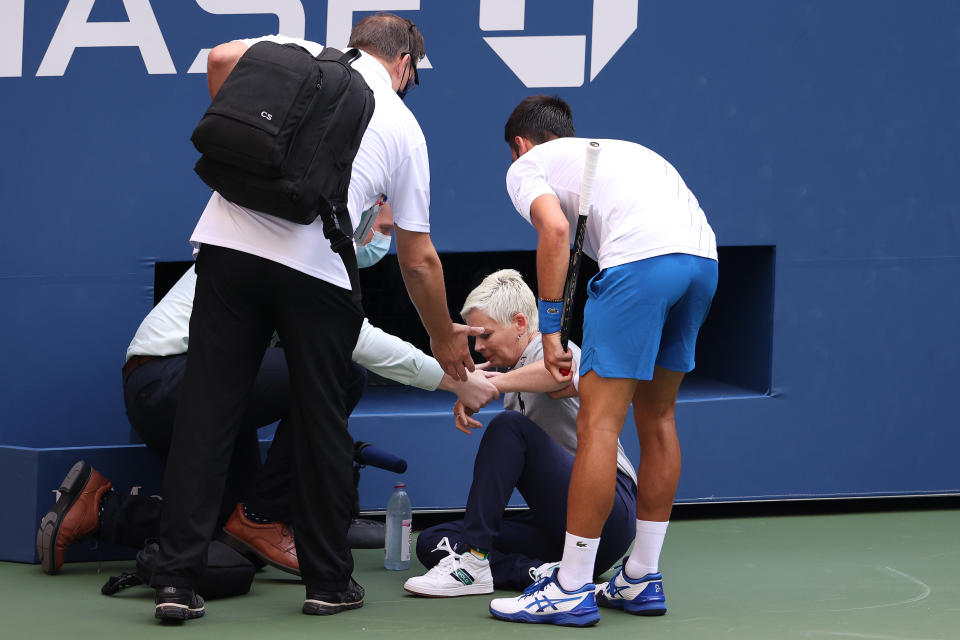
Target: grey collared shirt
point(557, 417)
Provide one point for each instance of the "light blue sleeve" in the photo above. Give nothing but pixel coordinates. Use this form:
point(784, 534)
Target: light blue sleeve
point(396, 359)
point(166, 329)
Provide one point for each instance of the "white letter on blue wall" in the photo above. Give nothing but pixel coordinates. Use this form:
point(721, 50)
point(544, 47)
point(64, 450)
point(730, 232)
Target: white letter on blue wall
point(290, 18)
point(11, 39)
point(74, 31)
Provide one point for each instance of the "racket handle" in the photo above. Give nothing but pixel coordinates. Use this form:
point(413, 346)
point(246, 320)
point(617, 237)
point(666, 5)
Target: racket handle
point(589, 174)
point(573, 271)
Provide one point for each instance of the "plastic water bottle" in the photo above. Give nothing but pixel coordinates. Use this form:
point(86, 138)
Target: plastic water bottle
point(399, 531)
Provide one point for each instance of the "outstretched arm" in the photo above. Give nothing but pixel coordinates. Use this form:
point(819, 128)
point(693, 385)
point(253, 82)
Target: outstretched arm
point(423, 276)
point(532, 378)
point(475, 393)
point(398, 360)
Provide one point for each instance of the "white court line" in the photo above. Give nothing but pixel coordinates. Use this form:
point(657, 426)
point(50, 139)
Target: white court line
point(926, 592)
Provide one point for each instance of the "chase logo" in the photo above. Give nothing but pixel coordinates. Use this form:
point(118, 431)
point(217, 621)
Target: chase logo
point(537, 60)
point(139, 27)
point(557, 61)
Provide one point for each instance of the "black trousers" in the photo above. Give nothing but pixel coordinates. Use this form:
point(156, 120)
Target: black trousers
point(151, 393)
point(240, 300)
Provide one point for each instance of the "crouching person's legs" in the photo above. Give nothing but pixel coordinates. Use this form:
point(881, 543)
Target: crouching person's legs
point(86, 503)
point(488, 550)
point(259, 527)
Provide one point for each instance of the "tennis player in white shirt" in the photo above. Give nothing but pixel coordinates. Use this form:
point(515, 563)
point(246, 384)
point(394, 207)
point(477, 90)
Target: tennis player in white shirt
point(658, 274)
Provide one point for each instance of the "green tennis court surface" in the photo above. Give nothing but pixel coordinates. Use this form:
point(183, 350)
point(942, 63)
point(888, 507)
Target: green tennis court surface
point(880, 576)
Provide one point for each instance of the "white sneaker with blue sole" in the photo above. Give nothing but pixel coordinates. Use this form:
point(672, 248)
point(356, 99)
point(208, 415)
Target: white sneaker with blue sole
point(545, 601)
point(643, 597)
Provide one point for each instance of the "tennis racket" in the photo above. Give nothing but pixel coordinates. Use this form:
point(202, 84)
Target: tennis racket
point(573, 271)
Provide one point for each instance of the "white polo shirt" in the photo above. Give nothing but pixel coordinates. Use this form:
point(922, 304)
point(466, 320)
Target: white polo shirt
point(166, 332)
point(641, 206)
point(392, 159)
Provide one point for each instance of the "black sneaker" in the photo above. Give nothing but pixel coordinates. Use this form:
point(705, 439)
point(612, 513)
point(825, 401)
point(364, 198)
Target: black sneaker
point(366, 534)
point(325, 603)
point(174, 603)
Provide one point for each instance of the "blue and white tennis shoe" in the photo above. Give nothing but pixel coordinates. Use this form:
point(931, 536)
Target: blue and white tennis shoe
point(643, 597)
point(545, 601)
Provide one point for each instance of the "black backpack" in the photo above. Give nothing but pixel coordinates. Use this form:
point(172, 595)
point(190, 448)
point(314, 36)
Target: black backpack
point(226, 572)
point(281, 135)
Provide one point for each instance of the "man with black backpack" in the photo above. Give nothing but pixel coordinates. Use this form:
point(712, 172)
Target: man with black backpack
point(258, 272)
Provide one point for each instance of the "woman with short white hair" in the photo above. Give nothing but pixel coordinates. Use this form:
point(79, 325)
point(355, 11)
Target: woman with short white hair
point(529, 447)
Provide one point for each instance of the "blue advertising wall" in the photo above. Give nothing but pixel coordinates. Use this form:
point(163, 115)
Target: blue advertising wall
point(824, 130)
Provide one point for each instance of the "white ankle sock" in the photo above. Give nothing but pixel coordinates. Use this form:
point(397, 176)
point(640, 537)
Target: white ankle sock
point(579, 556)
point(645, 557)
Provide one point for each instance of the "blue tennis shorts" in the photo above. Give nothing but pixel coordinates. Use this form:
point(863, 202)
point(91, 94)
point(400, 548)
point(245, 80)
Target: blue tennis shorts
point(644, 313)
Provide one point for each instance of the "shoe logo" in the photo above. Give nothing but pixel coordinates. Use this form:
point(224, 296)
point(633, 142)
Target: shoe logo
point(545, 602)
point(462, 576)
point(615, 590)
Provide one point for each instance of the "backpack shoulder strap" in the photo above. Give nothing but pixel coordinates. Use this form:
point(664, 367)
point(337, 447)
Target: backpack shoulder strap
point(345, 57)
point(122, 581)
point(330, 53)
point(349, 56)
point(338, 229)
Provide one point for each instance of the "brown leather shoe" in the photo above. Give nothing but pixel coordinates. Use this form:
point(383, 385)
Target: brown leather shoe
point(75, 515)
point(272, 542)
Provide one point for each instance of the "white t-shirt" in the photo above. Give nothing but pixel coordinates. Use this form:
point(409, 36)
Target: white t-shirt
point(392, 159)
point(166, 332)
point(641, 206)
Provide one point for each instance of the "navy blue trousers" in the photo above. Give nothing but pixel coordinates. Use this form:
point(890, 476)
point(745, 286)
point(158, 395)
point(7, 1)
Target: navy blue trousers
point(516, 453)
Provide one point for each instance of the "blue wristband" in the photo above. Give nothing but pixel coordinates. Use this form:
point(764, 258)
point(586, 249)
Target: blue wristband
point(549, 314)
